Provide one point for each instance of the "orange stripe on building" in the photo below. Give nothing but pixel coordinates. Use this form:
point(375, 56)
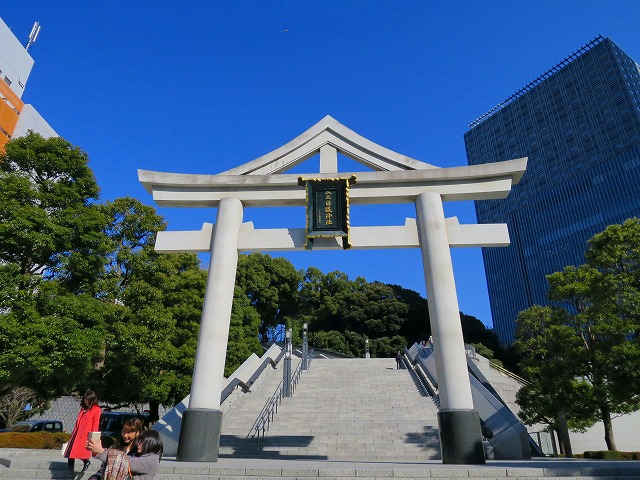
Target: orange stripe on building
point(10, 108)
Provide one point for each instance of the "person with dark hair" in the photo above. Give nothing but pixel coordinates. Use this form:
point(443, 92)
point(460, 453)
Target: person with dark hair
point(143, 465)
point(131, 430)
point(87, 421)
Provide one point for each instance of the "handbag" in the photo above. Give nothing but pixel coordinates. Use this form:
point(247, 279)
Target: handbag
point(63, 450)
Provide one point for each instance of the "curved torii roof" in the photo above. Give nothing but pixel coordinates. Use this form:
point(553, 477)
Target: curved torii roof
point(328, 131)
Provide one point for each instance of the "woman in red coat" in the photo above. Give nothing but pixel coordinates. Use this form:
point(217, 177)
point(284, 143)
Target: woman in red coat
point(88, 421)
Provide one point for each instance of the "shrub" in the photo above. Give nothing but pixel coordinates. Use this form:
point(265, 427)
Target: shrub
point(611, 455)
point(38, 440)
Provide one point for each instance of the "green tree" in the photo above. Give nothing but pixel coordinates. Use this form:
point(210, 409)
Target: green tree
point(84, 298)
point(320, 298)
point(330, 340)
point(243, 332)
point(271, 285)
point(130, 229)
point(386, 347)
point(372, 309)
point(356, 343)
point(417, 326)
point(335, 302)
point(49, 223)
point(50, 341)
point(474, 331)
point(605, 336)
point(549, 352)
point(486, 352)
point(50, 237)
point(149, 348)
point(602, 360)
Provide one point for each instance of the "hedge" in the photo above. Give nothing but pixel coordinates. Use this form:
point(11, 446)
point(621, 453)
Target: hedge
point(39, 440)
point(611, 455)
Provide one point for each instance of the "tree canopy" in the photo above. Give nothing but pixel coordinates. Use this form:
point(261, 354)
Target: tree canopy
point(583, 355)
point(271, 285)
point(49, 335)
point(48, 219)
point(85, 301)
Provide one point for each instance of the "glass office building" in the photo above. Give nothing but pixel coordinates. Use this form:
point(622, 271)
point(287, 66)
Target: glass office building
point(579, 124)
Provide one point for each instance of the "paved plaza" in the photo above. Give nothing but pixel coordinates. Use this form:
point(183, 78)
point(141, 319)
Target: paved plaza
point(23, 464)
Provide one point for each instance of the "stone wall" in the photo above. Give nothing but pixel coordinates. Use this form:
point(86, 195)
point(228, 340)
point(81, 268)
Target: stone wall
point(66, 409)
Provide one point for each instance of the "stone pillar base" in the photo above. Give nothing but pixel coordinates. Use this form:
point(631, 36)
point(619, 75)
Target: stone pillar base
point(460, 437)
point(199, 435)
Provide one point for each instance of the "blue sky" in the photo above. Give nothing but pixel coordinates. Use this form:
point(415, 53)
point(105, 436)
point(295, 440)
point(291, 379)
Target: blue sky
point(201, 86)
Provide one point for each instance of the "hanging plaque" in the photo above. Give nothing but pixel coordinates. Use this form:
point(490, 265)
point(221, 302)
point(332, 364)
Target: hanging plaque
point(327, 208)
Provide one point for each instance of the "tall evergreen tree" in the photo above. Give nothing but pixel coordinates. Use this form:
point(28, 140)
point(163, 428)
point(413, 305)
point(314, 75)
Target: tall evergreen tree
point(600, 359)
point(51, 248)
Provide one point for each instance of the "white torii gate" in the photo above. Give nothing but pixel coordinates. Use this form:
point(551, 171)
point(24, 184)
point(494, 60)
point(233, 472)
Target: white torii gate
point(395, 179)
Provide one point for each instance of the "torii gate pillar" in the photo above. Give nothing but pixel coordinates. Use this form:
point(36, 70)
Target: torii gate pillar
point(460, 432)
point(202, 421)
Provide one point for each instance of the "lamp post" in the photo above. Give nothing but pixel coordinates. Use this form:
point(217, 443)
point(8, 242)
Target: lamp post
point(286, 372)
point(366, 348)
point(305, 347)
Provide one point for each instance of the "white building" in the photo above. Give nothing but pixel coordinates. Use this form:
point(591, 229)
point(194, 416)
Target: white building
point(16, 117)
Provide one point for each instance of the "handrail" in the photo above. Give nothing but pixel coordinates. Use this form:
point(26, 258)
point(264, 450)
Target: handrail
point(258, 372)
point(271, 407)
point(246, 386)
point(268, 412)
point(295, 377)
point(509, 374)
point(232, 386)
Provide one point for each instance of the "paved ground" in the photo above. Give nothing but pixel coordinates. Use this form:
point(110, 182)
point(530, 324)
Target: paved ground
point(7, 454)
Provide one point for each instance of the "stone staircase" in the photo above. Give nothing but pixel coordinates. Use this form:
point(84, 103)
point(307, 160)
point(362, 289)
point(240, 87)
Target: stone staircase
point(342, 409)
point(348, 419)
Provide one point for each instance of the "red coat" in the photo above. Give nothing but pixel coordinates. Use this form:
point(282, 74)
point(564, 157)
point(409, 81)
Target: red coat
point(88, 421)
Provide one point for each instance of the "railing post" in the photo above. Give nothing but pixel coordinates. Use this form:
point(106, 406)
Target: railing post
point(305, 346)
point(286, 371)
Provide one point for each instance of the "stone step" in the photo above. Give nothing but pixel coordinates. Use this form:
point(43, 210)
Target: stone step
point(47, 468)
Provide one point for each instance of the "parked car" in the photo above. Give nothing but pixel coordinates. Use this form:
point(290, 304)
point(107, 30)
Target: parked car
point(111, 424)
point(37, 426)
